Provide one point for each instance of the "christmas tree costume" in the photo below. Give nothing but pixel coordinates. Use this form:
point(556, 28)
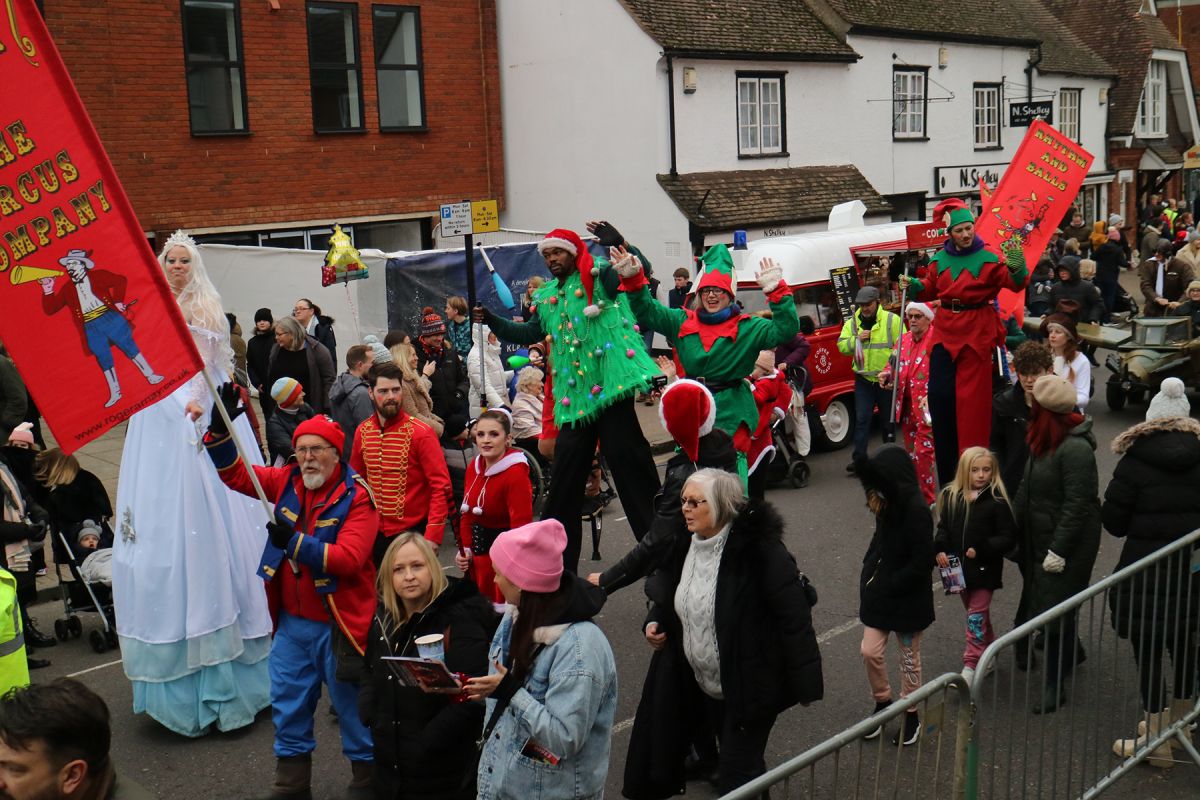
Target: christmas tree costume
point(720, 349)
point(599, 364)
point(969, 330)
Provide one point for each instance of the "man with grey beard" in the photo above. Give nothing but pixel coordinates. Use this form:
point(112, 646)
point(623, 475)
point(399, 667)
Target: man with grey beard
point(317, 567)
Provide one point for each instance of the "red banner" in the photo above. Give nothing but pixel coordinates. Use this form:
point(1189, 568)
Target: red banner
point(1032, 197)
point(925, 235)
point(88, 316)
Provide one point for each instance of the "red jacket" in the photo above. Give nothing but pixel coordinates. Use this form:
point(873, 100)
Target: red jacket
point(503, 492)
point(348, 558)
point(406, 470)
point(771, 392)
point(108, 287)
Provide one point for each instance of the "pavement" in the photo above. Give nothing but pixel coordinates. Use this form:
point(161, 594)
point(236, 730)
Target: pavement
point(828, 528)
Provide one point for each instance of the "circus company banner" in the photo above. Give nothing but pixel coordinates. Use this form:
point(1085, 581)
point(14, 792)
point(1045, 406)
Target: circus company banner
point(1026, 206)
point(87, 313)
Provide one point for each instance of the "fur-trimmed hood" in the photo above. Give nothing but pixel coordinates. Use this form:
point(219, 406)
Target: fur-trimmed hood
point(758, 519)
point(1125, 440)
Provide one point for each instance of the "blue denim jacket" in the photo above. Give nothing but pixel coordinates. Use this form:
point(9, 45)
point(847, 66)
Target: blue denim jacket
point(566, 706)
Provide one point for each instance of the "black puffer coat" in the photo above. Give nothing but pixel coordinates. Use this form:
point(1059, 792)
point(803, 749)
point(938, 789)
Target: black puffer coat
point(895, 588)
point(1078, 290)
point(448, 387)
point(985, 525)
point(1151, 503)
point(1010, 424)
point(425, 743)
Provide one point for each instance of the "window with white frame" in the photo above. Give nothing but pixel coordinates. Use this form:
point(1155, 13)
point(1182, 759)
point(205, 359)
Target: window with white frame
point(909, 103)
point(1068, 114)
point(987, 116)
point(760, 114)
point(1152, 110)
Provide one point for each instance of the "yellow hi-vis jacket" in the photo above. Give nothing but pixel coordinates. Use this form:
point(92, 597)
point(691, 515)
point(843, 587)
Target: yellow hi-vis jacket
point(871, 356)
point(14, 666)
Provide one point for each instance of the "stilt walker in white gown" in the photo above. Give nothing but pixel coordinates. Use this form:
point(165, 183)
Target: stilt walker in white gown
point(191, 613)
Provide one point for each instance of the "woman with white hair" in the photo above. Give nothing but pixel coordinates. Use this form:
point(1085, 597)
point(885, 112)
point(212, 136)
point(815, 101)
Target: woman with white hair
point(731, 625)
point(191, 613)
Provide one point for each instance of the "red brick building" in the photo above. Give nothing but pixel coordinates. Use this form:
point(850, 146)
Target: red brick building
point(265, 121)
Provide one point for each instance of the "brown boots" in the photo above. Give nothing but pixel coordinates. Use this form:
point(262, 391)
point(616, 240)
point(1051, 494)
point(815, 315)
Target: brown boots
point(361, 775)
point(293, 778)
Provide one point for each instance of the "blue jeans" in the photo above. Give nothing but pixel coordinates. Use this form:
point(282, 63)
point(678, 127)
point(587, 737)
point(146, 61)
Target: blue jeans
point(301, 660)
point(868, 395)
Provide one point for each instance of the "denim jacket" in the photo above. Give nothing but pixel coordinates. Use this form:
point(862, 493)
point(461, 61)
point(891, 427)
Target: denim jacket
point(566, 706)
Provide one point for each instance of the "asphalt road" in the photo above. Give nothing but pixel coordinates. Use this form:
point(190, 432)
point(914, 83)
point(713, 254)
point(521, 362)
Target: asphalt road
point(828, 530)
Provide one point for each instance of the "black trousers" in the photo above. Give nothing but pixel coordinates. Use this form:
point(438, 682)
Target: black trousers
point(627, 453)
point(742, 747)
point(1148, 653)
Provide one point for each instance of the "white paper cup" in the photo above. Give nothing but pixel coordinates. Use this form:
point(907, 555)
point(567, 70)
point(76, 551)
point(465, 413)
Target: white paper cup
point(432, 647)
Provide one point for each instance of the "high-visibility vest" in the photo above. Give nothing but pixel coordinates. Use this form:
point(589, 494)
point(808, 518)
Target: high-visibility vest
point(14, 666)
point(871, 356)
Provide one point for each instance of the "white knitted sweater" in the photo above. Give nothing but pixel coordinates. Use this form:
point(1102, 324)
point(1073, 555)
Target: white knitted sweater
point(695, 603)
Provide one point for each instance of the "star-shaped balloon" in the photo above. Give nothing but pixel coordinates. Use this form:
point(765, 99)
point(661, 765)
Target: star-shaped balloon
point(342, 261)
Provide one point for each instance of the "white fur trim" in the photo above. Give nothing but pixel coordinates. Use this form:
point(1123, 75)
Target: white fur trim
point(563, 244)
point(591, 311)
point(506, 461)
point(765, 452)
point(549, 634)
point(710, 418)
point(925, 310)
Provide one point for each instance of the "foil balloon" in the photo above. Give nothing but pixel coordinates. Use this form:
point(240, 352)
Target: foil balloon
point(342, 261)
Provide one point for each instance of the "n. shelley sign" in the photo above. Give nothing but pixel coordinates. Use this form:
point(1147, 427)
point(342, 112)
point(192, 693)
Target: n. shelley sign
point(965, 179)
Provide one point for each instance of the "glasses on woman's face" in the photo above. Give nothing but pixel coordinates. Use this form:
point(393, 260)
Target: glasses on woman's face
point(692, 502)
point(710, 291)
point(313, 450)
point(298, 309)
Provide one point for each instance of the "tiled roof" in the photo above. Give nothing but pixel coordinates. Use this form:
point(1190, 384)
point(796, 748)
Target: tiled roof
point(1128, 52)
point(757, 197)
point(773, 28)
point(964, 20)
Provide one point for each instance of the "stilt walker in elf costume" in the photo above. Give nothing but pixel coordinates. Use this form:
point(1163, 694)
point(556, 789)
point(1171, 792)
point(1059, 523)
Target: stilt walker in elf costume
point(599, 364)
point(717, 344)
point(965, 277)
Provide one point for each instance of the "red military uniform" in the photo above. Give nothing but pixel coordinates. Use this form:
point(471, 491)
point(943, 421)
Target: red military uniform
point(403, 464)
point(499, 499)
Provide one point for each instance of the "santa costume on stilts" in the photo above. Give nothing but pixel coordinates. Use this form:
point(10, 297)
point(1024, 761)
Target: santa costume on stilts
point(965, 276)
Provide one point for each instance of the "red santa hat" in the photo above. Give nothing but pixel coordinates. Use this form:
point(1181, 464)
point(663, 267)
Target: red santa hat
point(687, 410)
point(570, 241)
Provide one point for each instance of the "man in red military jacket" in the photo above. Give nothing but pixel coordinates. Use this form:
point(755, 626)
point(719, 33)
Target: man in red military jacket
point(318, 571)
point(965, 276)
point(402, 461)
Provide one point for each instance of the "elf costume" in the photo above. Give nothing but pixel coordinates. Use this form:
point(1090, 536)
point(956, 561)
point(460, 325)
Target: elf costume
point(967, 334)
point(599, 363)
point(720, 349)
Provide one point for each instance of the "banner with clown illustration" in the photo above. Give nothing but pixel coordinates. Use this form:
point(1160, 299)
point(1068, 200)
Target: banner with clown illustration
point(1034, 194)
point(87, 317)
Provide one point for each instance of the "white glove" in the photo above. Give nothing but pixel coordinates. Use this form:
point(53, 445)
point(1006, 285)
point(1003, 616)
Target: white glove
point(769, 276)
point(1053, 562)
point(628, 266)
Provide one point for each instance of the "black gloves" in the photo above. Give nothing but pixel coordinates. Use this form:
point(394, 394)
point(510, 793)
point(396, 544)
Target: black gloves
point(280, 533)
point(228, 396)
point(607, 235)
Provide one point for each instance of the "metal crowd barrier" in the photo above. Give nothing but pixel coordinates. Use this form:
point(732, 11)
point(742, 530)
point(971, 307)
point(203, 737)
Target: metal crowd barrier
point(1016, 752)
point(986, 740)
point(847, 767)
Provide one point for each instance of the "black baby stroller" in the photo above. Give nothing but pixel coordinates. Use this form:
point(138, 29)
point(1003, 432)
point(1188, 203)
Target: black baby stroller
point(786, 463)
point(81, 594)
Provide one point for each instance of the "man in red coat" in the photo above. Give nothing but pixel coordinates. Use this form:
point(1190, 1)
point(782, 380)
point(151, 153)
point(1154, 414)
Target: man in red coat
point(965, 276)
point(320, 588)
point(402, 461)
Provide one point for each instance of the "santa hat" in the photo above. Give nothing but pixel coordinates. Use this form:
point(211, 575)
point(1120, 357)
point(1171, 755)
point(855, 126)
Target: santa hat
point(570, 241)
point(952, 211)
point(718, 270)
point(321, 425)
point(687, 410)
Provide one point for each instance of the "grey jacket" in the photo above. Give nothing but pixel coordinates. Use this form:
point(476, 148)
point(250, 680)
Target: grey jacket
point(350, 402)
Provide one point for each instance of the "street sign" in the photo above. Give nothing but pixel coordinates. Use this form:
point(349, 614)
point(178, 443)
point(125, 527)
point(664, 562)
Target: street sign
point(456, 219)
point(923, 235)
point(485, 216)
point(1022, 115)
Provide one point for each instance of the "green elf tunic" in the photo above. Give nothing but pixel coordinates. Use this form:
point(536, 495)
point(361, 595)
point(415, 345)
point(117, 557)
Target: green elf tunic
point(597, 355)
point(722, 354)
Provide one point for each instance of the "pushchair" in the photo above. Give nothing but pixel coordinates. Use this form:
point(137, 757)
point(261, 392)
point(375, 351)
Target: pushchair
point(79, 595)
point(786, 461)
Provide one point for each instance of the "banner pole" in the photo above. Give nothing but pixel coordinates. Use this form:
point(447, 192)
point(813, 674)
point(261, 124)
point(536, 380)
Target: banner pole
point(896, 370)
point(212, 387)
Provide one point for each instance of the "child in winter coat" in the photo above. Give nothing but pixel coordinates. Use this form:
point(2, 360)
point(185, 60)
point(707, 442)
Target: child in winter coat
point(497, 498)
point(975, 523)
point(896, 596)
point(493, 384)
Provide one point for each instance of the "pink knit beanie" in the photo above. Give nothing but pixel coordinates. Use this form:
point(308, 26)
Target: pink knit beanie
point(531, 556)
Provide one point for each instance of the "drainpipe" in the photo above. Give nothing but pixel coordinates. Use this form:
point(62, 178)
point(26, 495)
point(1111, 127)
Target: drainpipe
point(671, 109)
point(1033, 62)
